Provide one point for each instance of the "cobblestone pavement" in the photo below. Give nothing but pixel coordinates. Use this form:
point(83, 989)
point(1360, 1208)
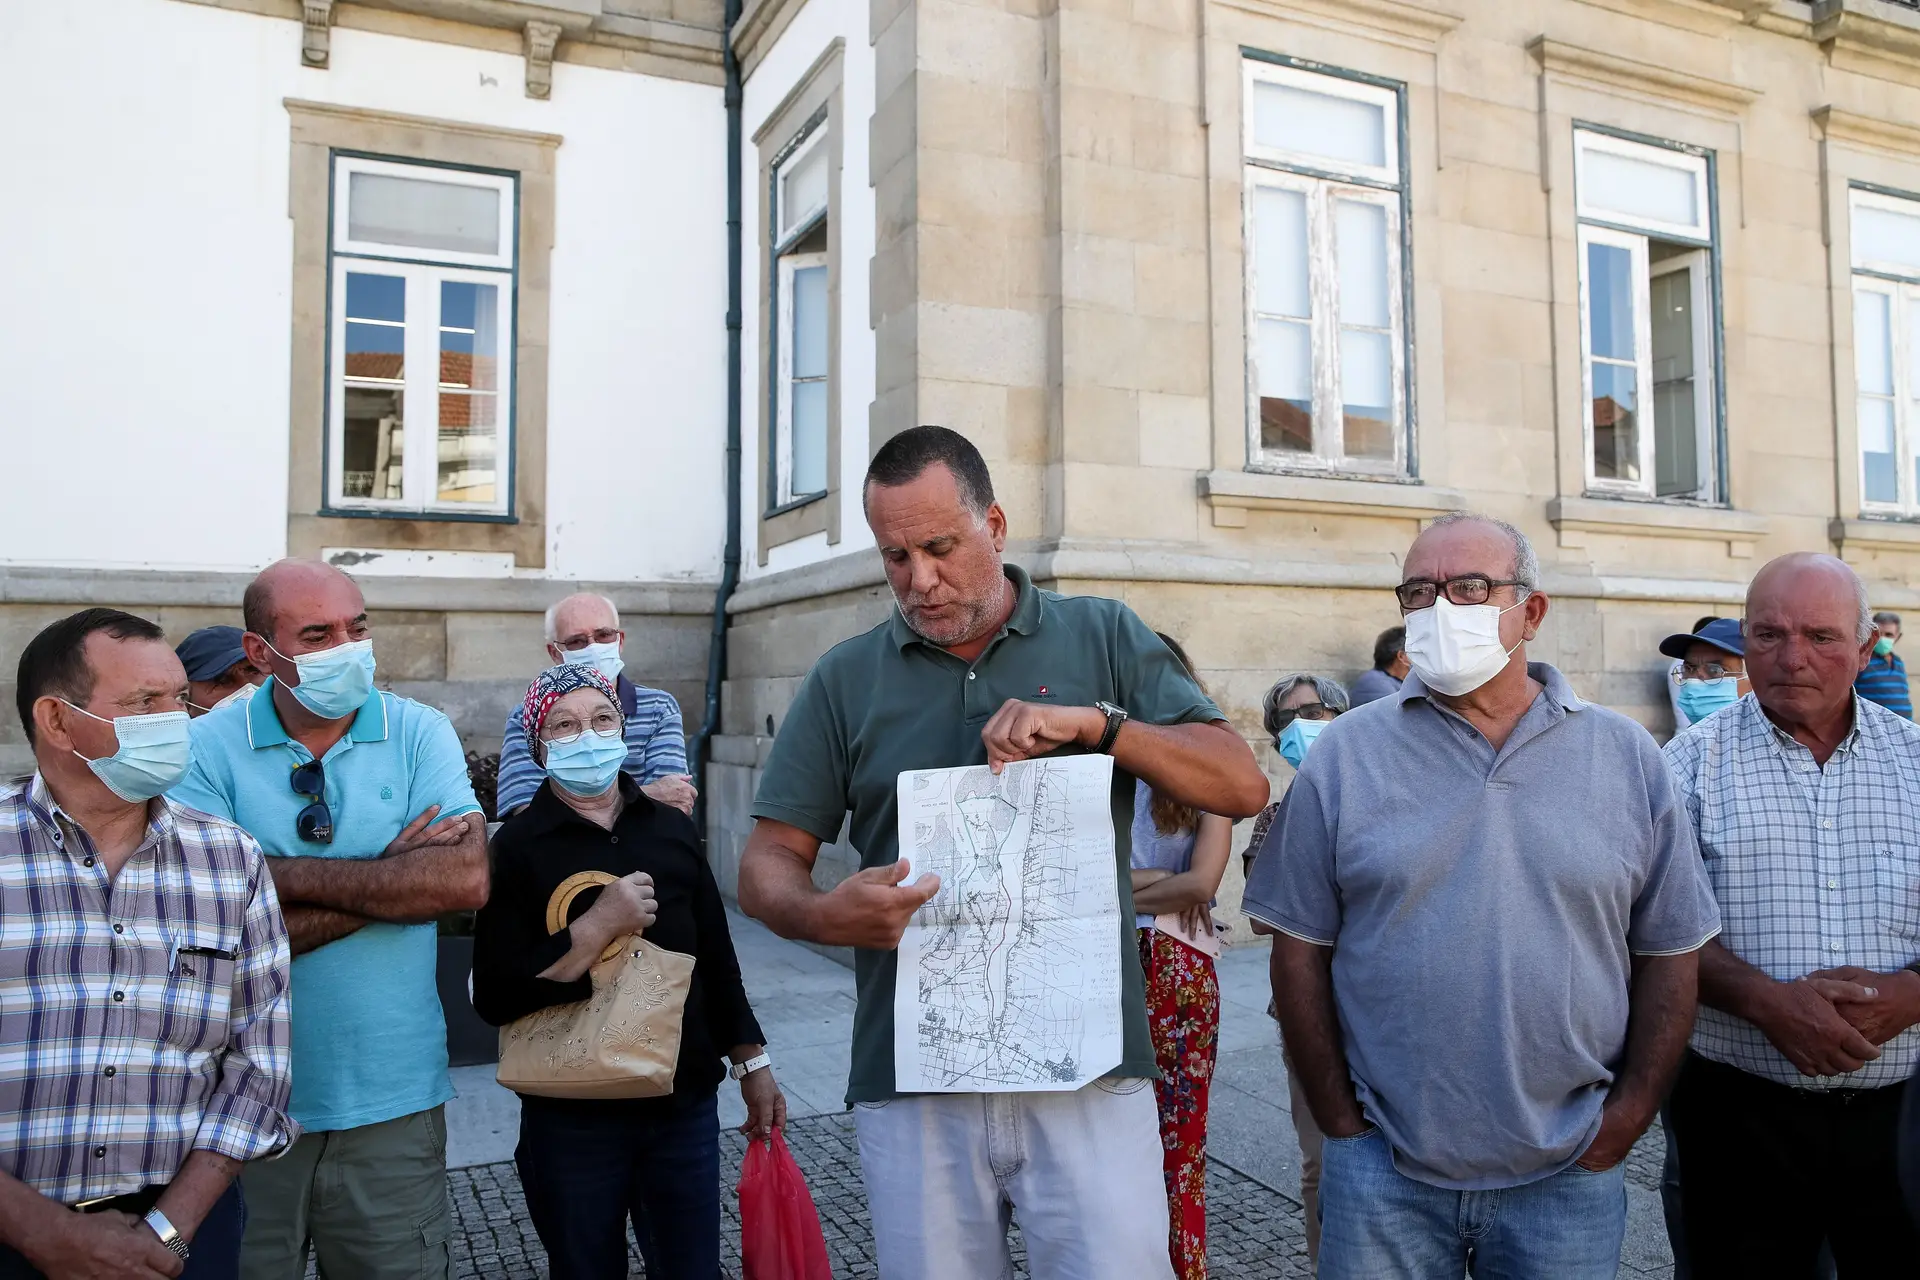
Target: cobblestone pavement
point(1253, 1232)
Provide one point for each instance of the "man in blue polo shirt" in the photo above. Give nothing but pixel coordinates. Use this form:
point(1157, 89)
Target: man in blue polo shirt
point(361, 802)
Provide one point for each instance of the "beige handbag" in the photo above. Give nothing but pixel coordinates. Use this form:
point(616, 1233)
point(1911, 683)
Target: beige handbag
point(624, 1042)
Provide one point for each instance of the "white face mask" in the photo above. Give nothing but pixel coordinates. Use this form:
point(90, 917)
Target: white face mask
point(1455, 648)
point(604, 658)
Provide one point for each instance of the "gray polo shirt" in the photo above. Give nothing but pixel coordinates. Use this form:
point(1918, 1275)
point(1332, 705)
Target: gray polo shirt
point(1483, 908)
point(887, 701)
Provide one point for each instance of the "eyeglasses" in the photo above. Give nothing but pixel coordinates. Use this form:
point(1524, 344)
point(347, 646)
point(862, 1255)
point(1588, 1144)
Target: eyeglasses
point(315, 822)
point(1306, 711)
point(567, 728)
point(1702, 671)
point(1468, 588)
point(605, 635)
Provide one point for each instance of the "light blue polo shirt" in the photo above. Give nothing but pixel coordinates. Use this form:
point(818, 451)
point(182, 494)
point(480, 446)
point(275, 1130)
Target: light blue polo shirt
point(369, 1040)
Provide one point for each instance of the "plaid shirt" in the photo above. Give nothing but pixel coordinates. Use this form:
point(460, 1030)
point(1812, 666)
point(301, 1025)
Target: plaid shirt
point(123, 1047)
point(1815, 868)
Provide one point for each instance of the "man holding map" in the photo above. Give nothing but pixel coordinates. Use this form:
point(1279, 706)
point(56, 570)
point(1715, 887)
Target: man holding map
point(1024, 1085)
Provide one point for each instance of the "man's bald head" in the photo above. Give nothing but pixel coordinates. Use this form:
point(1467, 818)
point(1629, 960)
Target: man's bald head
point(1808, 576)
point(581, 613)
point(1809, 633)
point(291, 598)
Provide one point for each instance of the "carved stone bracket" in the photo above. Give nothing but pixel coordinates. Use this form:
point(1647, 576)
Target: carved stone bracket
point(541, 38)
point(316, 22)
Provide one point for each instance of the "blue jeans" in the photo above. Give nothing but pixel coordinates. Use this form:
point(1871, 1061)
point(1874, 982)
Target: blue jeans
point(587, 1167)
point(213, 1255)
point(1376, 1221)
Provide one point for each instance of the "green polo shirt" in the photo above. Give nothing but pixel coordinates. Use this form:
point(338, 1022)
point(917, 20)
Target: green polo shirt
point(887, 702)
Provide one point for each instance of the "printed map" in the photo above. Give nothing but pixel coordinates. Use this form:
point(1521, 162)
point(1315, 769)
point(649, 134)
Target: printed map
point(1009, 978)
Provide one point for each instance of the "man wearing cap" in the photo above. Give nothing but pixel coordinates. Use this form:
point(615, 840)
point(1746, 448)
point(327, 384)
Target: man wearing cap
point(218, 669)
point(1711, 668)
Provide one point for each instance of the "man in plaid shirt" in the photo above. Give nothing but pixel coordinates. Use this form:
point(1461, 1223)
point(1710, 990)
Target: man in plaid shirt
point(143, 978)
point(1806, 802)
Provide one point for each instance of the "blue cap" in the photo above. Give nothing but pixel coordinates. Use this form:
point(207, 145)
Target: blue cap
point(1721, 633)
point(210, 652)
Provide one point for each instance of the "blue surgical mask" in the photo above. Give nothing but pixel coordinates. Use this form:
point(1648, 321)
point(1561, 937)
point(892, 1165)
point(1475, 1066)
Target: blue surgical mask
point(588, 765)
point(1298, 737)
point(1701, 698)
point(336, 682)
point(604, 658)
point(154, 754)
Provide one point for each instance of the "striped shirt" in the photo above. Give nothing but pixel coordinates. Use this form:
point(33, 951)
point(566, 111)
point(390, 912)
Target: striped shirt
point(1815, 868)
point(656, 746)
point(142, 1017)
point(1885, 682)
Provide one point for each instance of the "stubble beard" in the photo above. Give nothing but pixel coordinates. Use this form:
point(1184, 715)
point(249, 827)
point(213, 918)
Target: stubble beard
point(969, 625)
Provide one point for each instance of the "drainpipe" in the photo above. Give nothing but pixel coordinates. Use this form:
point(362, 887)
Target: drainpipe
point(730, 564)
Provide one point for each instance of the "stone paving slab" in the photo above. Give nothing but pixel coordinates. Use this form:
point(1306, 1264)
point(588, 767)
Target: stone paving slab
point(1253, 1232)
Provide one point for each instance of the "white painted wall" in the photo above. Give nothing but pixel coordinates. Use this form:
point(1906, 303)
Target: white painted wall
point(799, 46)
point(145, 322)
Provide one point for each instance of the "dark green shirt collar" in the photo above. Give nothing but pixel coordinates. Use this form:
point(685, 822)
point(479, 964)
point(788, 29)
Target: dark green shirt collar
point(1027, 608)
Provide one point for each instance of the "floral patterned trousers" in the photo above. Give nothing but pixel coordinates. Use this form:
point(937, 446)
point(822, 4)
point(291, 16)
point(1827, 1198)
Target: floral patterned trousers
point(1183, 1013)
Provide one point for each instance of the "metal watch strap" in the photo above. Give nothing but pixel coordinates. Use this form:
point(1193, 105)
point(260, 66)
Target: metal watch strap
point(170, 1238)
point(741, 1070)
point(1116, 716)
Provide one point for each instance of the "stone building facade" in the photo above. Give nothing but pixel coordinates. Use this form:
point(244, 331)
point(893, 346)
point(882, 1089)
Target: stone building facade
point(1234, 294)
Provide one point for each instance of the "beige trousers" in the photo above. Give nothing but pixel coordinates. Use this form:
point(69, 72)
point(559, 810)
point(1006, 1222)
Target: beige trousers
point(1311, 1140)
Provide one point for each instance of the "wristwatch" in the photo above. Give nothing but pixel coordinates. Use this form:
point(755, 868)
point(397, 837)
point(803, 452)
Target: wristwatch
point(741, 1070)
point(1116, 716)
point(170, 1239)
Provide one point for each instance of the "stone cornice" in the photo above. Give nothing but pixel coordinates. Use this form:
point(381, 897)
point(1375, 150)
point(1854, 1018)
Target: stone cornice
point(1231, 494)
point(1838, 125)
point(1420, 24)
point(1613, 74)
point(333, 110)
point(758, 26)
point(1870, 37)
point(655, 45)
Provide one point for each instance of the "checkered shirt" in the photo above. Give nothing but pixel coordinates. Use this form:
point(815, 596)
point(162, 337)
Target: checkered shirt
point(122, 1049)
point(1815, 868)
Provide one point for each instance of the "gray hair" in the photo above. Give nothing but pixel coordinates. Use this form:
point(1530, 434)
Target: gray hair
point(1885, 616)
point(553, 611)
point(1526, 562)
point(1333, 696)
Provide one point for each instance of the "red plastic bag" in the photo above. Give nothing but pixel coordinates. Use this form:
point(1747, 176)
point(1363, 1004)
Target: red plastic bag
point(779, 1227)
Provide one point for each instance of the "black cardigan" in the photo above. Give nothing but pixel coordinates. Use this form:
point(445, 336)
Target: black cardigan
point(545, 843)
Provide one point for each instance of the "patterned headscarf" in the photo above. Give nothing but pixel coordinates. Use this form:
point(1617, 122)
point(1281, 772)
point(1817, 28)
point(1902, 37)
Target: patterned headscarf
point(556, 683)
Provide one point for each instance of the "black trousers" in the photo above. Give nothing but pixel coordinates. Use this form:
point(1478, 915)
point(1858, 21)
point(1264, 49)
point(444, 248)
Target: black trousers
point(1770, 1171)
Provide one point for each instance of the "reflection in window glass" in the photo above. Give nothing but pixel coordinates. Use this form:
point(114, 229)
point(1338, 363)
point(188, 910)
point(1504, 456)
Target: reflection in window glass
point(469, 392)
point(1676, 449)
point(1616, 376)
point(1288, 118)
point(1284, 361)
point(1610, 301)
point(803, 188)
point(1280, 250)
point(1886, 238)
point(417, 214)
point(373, 395)
point(1366, 344)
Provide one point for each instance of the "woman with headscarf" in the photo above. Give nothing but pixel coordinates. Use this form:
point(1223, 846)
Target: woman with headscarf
point(587, 1166)
point(1179, 855)
point(1296, 709)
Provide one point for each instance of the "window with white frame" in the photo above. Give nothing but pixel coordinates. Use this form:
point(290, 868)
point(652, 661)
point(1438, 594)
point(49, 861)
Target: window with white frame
point(1886, 350)
point(1647, 329)
point(420, 304)
point(1326, 302)
point(798, 453)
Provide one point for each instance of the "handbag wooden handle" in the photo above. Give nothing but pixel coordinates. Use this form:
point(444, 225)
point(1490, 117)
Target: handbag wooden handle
point(562, 898)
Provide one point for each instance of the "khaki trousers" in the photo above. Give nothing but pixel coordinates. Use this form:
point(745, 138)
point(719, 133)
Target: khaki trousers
point(372, 1202)
point(1311, 1142)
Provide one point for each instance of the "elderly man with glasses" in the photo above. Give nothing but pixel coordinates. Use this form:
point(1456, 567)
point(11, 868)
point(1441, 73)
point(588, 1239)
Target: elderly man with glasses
point(584, 630)
point(361, 801)
point(1490, 910)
